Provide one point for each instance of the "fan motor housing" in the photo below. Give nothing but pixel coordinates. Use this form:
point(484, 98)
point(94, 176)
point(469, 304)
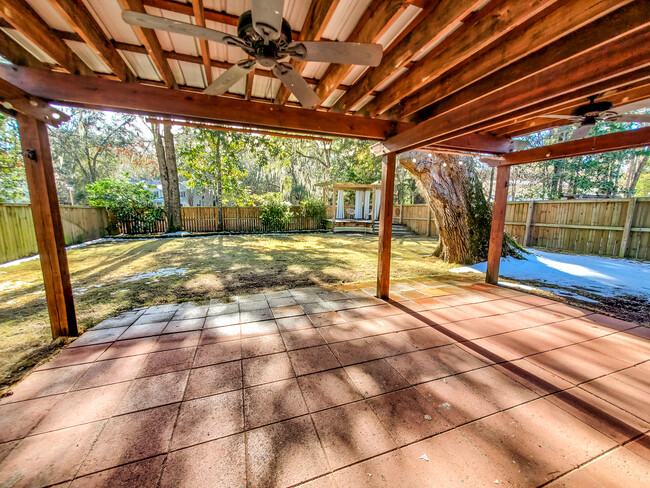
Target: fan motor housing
point(592, 109)
point(248, 34)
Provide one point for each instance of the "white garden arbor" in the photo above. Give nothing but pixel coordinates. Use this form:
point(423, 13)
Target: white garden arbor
point(366, 204)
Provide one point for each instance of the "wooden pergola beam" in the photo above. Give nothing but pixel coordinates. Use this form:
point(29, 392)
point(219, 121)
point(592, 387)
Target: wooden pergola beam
point(549, 26)
point(436, 26)
point(385, 224)
point(199, 19)
point(617, 141)
point(376, 20)
point(23, 18)
point(318, 16)
point(486, 26)
point(626, 55)
point(17, 100)
point(47, 224)
point(108, 94)
point(150, 41)
point(77, 15)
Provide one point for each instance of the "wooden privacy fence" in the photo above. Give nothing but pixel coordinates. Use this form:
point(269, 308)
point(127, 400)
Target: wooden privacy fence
point(206, 219)
point(17, 237)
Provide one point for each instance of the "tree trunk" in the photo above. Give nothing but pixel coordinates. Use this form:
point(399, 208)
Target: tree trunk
point(636, 167)
point(462, 215)
point(166, 154)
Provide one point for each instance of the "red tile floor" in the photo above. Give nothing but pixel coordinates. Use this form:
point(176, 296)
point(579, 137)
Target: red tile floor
point(450, 384)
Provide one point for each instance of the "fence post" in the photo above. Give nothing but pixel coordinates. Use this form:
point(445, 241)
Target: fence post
point(529, 221)
point(627, 230)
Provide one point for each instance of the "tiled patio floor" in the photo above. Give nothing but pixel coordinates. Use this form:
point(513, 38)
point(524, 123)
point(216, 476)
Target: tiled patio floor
point(452, 384)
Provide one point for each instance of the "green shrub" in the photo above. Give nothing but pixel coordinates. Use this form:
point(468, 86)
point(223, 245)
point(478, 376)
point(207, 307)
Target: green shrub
point(314, 208)
point(276, 213)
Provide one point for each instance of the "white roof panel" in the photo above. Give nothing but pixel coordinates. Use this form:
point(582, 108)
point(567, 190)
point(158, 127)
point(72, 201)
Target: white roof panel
point(50, 15)
point(29, 45)
point(88, 56)
point(110, 13)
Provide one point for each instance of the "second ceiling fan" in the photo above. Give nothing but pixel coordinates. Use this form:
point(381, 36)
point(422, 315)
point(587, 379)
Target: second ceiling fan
point(265, 36)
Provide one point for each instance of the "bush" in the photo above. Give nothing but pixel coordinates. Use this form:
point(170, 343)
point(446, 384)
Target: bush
point(128, 201)
point(276, 213)
point(314, 208)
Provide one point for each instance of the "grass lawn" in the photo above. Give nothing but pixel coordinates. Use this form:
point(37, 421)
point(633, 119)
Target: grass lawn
point(115, 276)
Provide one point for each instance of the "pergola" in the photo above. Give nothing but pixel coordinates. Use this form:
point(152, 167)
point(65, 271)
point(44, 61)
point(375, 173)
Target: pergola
point(363, 206)
point(456, 75)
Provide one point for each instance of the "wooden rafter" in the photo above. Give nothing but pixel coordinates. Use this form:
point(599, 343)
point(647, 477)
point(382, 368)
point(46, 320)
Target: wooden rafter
point(107, 94)
point(77, 15)
point(592, 36)
point(617, 141)
point(199, 19)
point(619, 57)
point(377, 18)
point(318, 16)
point(548, 27)
point(150, 41)
point(16, 54)
point(436, 26)
point(23, 18)
point(482, 29)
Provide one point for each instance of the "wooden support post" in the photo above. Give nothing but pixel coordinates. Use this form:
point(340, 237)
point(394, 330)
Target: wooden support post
point(529, 222)
point(385, 224)
point(498, 224)
point(627, 230)
point(47, 224)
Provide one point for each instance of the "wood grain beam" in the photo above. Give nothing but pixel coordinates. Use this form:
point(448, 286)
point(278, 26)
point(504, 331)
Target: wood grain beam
point(319, 14)
point(16, 54)
point(627, 54)
point(150, 41)
point(498, 225)
point(108, 94)
point(484, 28)
point(617, 141)
point(19, 101)
point(385, 224)
point(48, 226)
point(250, 78)
point(78, 16)
point(377, 18)
point(549, 26)
point(199, 19)
point(23, 18)
point(436, 26)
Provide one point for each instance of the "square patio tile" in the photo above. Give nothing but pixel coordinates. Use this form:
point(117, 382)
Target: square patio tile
point(177, 341)
point(288, 311)
point(282, 302)
point(284, 454)
point(273, 402)
point(326, 318)
point(369, 328)
point(48, 382)
point(403, 322)
point(74, 356)
point(184, 325)
point(265, 369)
point(391, 469)
point(191, 311)
point(144, 330)
point(407, 416)
point(299, 322)
point(376, 377)
point(208, 418)
point(123, 320)
point(221, 352)
point(328, 389)
point(18, 419)
point(131, 437)
point(255, 315)
point(254, 329)
point(167, 361)
point(299, 339)
point(391, 344)
point(338, 333)
point(253, 305)
point(455, 359)
point(425, 337)
point(111, 371)
point(51, 458)
point(455, 400)
point(154, 391)
point(351, 433)
point(221, 320)
point(211, 380)
point(354, 351)
point(217, 463)
point(220, 334)
point(143, 474)
point(498, 388)
point(99, 336)
point(82, 407)
point(132, 347)
point(418, 367)
point(316, 307)
point(313, 359)
point(154, 317)
point(259, 346)
point(620, 394)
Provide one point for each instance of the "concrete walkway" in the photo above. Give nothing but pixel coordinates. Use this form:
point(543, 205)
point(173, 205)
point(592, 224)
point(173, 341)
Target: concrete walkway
point(451, 384)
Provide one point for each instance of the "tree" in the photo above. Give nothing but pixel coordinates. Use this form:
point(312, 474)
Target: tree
point(166, 153)
point(462, 215)
point(13, 185)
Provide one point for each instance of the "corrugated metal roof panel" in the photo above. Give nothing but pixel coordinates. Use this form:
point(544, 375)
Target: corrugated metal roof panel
point(331, 100)
point(110, 14)
point(29, 45)
point(354, 75)
point(265, 87)
point(399, 25)
point(50, 15)
point(89, 56)
point(142, 66)
point(345, 18)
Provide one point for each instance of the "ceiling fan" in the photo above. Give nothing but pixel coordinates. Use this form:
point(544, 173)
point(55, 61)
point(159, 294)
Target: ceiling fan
point(265, 36)
point(587, 115)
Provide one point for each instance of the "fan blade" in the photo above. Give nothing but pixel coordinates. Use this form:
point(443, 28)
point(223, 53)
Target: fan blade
point(629, 118)
point(338, 52)
point(296, 84)
point(557, 116)
point(581, 132)
point(631, 107)
point(160, 23)
point(232, 75)
point(267, 18)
